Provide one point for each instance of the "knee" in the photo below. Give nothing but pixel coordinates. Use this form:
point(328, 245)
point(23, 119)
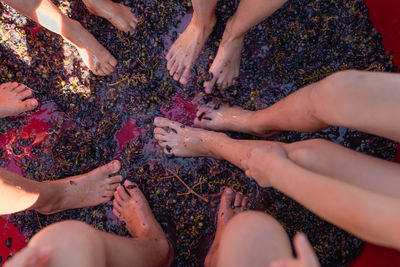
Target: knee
point(66, 234)
point(305, 152)
point(327, 94)
point(249, 223)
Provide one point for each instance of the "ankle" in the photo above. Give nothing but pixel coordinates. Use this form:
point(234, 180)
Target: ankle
point(50, 198)
point(205, 24)
point(232, 34)
point(213, 144)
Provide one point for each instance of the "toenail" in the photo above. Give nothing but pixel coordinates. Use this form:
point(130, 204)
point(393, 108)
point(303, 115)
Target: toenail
point(229, 191)
point(157, 120)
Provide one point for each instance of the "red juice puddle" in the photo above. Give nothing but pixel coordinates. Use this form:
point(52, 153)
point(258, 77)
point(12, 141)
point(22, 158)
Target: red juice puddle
point(128, 132)
point(183, 22)
point(181, 110)
point(37, 128)
point(35, 30)
point(11, 239)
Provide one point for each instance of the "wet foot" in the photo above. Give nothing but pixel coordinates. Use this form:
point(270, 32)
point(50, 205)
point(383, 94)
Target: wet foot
point(119, 15)
point(183, 141)
point(93, 54)
point(225, 67)
point(13, 99)
point(225, 213)
point(131, 207)
point(226, 118)
point(86, 190)
point(184, 52)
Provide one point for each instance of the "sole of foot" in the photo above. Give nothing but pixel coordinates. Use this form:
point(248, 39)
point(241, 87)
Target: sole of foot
point(131, 207)
point(225, 67)
point(183, 141)
point(118, 14)
point(85, 190)
point(186, 49)
point(227, 118)
point(93, 54)
point(15, 99)
point(231, 204)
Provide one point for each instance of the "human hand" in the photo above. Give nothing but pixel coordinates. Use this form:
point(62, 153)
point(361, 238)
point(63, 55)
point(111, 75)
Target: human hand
point(31, 257)
point(257, 158)
point(305, 254)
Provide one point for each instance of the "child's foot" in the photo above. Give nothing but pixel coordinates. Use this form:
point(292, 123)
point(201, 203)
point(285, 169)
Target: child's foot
point(131, 206)
point(226, 118)
point(180, 140)
point(93, 54)
point(116, 13)
point(225, 67)
point(86, 190)
point(183, 53)
point(13, 99)
point(225, 213)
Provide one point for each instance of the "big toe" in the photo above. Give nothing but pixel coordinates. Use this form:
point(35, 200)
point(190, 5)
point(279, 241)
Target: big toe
point(28, 105)
point(110, 168)
point(226, 201)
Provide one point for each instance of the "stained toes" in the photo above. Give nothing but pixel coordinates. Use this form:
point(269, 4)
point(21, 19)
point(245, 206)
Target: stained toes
point(3, 85)
point(185, 76)
point(245, 203)
point(170, 63)
point(113, 62)
point(162, 122)
point(173, 69)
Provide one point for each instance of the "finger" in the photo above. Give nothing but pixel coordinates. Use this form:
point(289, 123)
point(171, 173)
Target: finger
point(304, 251)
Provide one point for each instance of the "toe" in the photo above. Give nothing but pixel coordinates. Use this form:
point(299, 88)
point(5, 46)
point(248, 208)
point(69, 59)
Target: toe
point(160, 137)
point(245, 203)
point(178, 73)
point(110, 168)
point(115, 179)
point(238, 199)
point(226, 199)
point(28, 105)
point(170, 63)
point(208, 85)
point(121, 194)
point(19, 88)
point(113, 62)
point(11, 86)
point(116, 213)
point(132, 188)
point(159, 131)
point(173, 69)
point(3, 85)
point(185, 76)
point(24, 94)
point(113, 187)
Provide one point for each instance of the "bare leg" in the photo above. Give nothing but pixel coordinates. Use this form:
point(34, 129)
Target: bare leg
point(118, 14)
point(225, 213)
point(252, 239)
point(13, 99)
point(225, 67)
point(149, 247)
point(365, 101)
point(319, 156)
point(44, 12)
point(86, 190)
point(187, 47)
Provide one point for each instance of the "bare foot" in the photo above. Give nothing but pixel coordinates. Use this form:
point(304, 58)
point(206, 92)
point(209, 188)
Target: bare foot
point(86, 190)
point(226, 118)
point(13, 99)
point(93, 54)
point(183, 141)
point(225, 213)
point(131, 207)
point(225, 67)
point(183, 53)
point(116, 13)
